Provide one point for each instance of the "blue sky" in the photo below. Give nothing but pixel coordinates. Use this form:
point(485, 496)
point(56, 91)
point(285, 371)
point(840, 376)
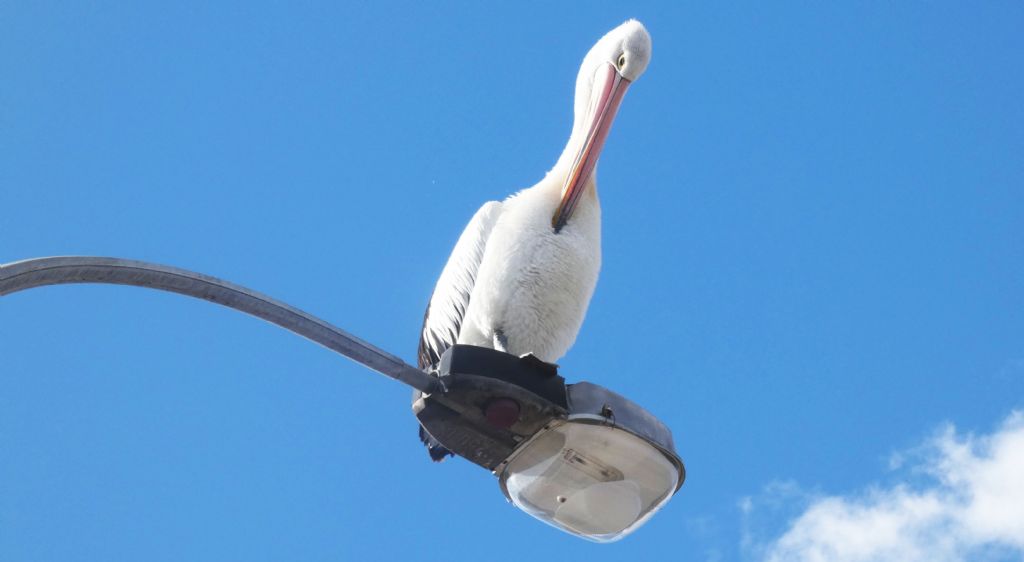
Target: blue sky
point(812, 267)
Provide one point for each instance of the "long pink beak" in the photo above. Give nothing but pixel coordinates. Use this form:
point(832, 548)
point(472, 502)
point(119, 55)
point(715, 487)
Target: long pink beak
point(612, 87)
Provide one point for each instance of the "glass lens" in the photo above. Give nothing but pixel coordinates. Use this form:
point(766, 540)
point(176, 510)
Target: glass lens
point(595, 481)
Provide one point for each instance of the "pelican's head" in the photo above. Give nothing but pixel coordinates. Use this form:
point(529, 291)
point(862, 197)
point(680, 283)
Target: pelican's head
point(612, 64)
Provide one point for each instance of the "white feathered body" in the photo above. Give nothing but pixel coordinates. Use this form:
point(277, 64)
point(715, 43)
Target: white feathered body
point(533, 284)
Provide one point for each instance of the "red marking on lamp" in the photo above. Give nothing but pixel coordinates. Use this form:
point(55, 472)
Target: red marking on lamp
point(502, 412)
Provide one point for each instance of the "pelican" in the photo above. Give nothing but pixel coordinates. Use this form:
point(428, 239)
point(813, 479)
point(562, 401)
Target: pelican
point(522, 273)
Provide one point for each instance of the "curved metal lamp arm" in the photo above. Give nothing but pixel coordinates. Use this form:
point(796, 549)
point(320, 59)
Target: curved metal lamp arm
point(38, 272)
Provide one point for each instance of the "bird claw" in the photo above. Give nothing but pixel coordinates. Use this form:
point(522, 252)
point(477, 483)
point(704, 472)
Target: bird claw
point(549, 369)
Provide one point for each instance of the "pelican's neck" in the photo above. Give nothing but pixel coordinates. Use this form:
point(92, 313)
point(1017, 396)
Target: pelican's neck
point(553, 183)
point(572, 147)
point(563, 166)
point(583, 107)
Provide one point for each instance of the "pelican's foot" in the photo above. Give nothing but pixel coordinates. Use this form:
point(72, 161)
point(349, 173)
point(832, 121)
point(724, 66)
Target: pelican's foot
point(500, 341)
point(549, 369)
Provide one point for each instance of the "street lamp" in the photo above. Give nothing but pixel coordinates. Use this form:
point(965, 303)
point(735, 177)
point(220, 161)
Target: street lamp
point(576, 456)
point(579, 457)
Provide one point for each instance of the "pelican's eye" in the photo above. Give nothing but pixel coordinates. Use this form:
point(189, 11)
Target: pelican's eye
point(621, 62)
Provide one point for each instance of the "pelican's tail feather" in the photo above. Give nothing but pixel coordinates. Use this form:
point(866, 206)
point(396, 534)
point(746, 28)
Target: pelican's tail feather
point(436, 451)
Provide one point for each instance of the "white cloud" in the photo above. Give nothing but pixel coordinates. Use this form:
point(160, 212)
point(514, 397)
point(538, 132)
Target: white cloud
point(971, 508)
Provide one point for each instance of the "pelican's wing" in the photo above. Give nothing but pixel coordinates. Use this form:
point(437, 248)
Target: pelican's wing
point(448, 304)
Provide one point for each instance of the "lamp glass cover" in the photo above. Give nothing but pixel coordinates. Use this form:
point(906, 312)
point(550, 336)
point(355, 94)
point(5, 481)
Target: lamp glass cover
point(591, 480)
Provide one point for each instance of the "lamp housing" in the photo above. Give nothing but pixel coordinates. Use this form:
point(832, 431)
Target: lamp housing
point(578, 457)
